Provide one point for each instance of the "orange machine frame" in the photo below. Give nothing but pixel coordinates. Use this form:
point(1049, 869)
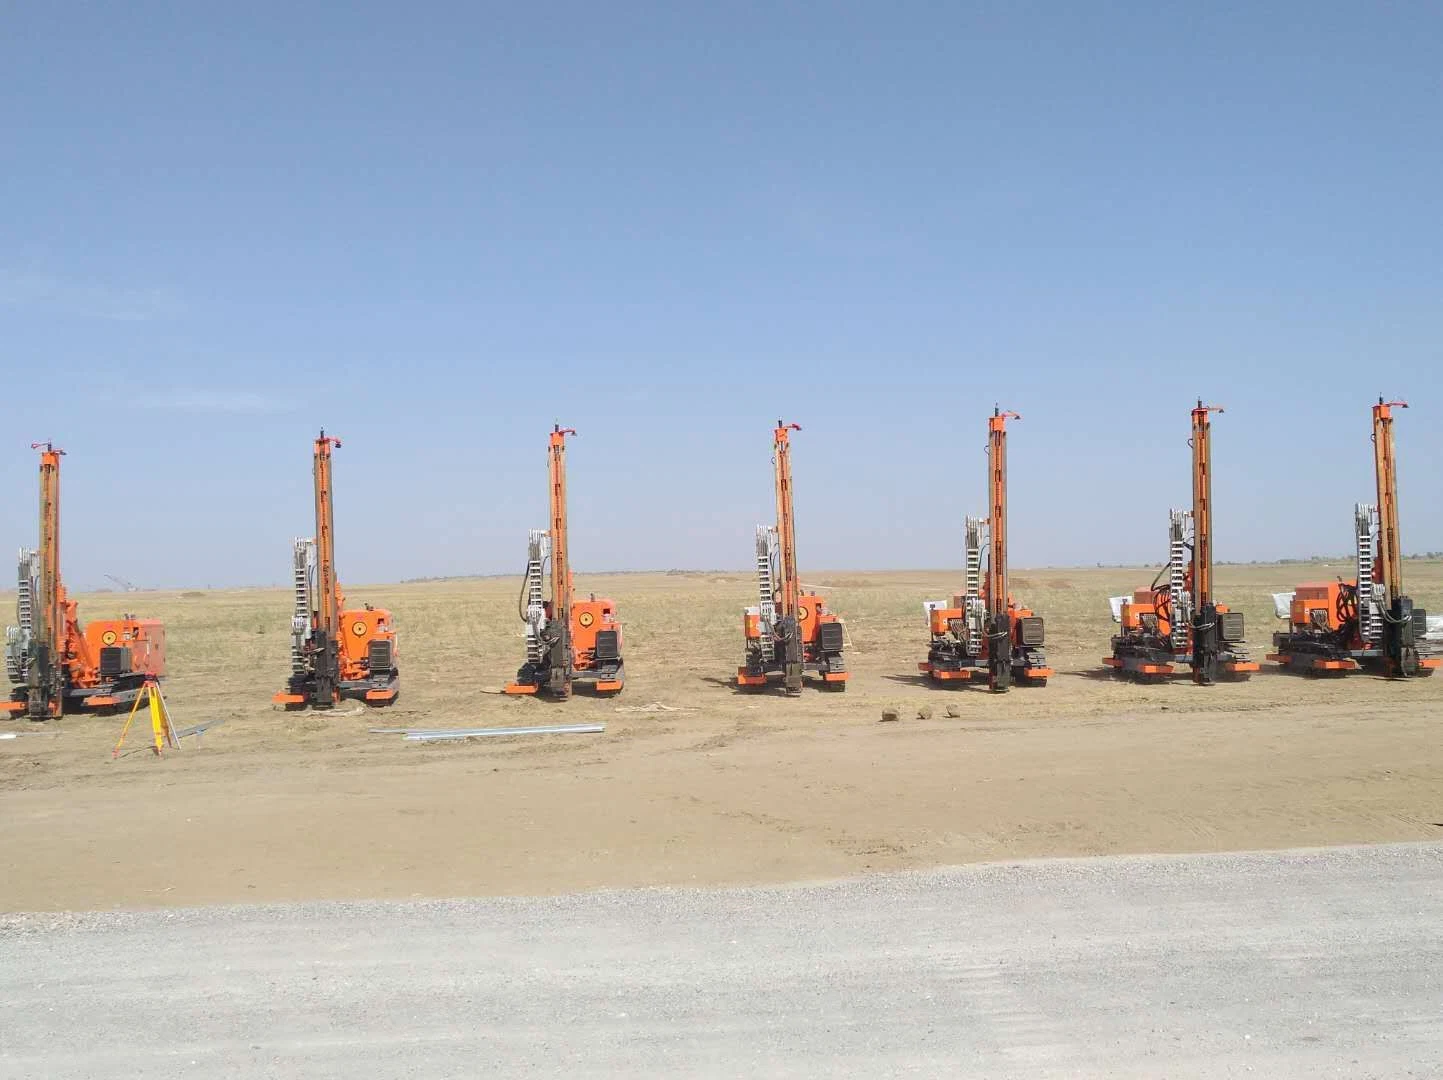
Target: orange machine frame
point(65, 660)
point(801, 616)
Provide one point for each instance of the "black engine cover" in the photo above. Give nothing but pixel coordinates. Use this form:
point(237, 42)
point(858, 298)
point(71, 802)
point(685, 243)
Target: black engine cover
point(608, 645)
point(114, 660)
point(380, 656)
point(1230, 626)
point(830, 637)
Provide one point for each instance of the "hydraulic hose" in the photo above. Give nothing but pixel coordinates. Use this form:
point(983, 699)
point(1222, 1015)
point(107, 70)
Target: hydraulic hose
point(1346, 609)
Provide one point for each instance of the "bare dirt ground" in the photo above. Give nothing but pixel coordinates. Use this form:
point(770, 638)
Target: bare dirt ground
point(717, 787)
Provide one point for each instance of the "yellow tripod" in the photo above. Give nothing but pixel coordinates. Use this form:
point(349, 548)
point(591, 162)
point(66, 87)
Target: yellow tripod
point(163, 731)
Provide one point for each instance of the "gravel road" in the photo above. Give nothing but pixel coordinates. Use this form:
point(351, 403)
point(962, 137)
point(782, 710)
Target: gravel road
point(1288, 964)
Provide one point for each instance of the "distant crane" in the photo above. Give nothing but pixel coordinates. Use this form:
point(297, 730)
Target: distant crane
point(127, 586)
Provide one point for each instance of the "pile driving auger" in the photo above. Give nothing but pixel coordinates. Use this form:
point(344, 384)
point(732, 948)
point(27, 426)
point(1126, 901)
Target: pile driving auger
point(1368, 623)
point(55, 664)
point(790, 633)
point(568, 641)
point(1178, 622)
point(984, 629)
point(336, 652)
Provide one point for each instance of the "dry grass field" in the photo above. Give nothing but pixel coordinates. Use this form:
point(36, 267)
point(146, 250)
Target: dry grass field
point(692, 781)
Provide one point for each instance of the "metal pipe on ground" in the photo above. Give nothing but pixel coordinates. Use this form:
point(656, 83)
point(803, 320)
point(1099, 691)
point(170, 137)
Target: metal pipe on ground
point(442, 734)
point(198, 729)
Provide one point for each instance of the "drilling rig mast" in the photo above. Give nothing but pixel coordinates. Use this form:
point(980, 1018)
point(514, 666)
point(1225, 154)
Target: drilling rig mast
point(1403, 624)
point(999, 617)
point(46, 688)
point(790, 633)
point(1206, 637)
point(984, 628)
point(335, 653)
point(1368, 623)
point(55, 664)
point(568, 642)
point(1180, 622)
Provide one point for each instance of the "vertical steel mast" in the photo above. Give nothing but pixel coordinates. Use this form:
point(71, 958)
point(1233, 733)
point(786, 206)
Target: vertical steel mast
point(1385, 465)
point(786, 526)
point(561, 595)
point(999, 618)
point(328, 606)
point(45, 684)
point(791, 590)
point(1400, 652)
point(1206, 643)
point(328, 614)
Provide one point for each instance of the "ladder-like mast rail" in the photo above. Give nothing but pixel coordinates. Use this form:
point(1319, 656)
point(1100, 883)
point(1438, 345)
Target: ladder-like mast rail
point(1365, 574)
point(303, 566)
point(973, 610)
point(767, 590)
point(1180, 611)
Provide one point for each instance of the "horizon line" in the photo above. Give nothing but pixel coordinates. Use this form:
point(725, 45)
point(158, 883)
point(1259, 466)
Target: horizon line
point(738, 571)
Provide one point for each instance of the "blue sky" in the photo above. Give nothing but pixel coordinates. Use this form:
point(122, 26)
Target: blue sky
point(437, 228)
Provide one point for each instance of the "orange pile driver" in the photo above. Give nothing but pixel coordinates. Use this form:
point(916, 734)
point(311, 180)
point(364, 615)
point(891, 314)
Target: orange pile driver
point(1339, 626)
point(568, 641)
point(335, 652)
point(790, 633)
point(55, 664)
point(984, 629)
point(1178, 622)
